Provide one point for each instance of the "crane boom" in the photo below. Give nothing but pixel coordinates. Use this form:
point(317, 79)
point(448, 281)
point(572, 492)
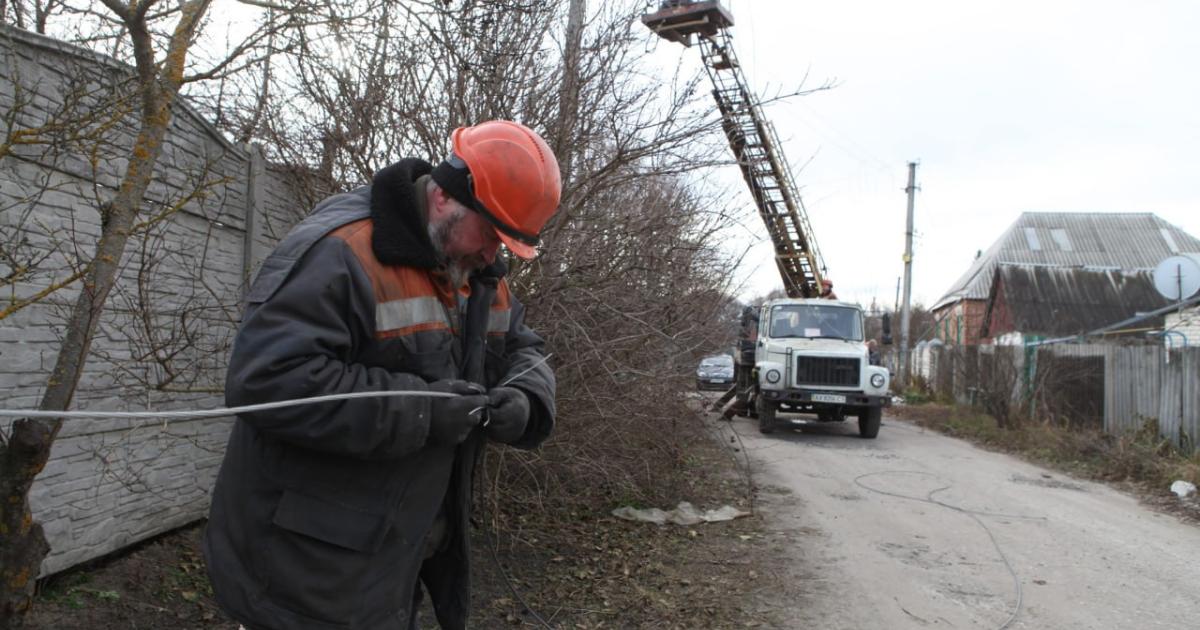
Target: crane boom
point(751, 136)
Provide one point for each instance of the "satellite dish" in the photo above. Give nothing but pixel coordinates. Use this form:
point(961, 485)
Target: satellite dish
point(1178, 277)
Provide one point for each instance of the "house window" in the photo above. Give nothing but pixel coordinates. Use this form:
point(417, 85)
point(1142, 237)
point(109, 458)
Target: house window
point(1060, 237)
point(1032, 238)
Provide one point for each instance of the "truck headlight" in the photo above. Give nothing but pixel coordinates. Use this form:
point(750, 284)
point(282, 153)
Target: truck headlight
point(877, 380)
point(773, 376)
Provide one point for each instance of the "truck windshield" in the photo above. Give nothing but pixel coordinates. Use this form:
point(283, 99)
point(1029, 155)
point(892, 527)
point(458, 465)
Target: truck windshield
point(816, 322)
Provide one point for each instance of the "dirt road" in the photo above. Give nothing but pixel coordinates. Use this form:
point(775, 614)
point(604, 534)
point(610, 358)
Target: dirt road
point(918, 530)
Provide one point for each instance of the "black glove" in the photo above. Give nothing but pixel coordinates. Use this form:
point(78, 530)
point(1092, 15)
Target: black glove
point(451, 419)
point(508, 413)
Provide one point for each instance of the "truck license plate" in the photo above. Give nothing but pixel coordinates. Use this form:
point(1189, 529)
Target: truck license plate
point(829, 398)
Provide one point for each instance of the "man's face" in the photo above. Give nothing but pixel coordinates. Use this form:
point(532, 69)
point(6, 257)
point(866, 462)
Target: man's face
point(465, 240)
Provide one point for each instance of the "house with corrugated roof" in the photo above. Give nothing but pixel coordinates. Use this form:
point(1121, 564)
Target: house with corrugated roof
point(1095, 242)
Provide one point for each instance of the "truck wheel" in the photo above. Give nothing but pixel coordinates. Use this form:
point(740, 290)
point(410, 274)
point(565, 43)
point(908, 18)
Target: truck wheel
point(766, 415)
point(868, 421)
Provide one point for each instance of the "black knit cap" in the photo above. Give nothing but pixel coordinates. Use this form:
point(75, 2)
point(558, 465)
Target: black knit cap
point(453, 176)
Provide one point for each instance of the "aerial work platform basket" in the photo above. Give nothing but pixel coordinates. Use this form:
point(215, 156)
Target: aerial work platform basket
point(678, 20)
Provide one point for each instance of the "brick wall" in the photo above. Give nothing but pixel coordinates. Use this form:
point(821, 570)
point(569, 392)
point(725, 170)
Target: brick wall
point(166, 332)
point(960, 322)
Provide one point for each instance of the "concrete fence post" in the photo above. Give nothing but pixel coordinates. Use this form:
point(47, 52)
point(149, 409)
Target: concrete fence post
point(255, 176)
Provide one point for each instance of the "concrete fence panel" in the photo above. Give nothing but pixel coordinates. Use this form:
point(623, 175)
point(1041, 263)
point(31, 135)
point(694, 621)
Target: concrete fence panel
point(214, 210)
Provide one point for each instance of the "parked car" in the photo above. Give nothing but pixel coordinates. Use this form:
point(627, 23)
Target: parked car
point(715, 372)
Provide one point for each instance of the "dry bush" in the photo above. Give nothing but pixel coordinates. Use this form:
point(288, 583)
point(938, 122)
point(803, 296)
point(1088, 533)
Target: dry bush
point(999, 385)
point(1145, 456)
point(1069, 389)
point(627, 323)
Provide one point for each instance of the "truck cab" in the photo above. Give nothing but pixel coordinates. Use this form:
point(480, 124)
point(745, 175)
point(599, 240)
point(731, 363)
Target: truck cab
point(810, 356)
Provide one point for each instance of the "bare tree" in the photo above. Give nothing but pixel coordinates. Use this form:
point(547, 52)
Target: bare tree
point(25, 16)
point(157, 38)
point(28, 446)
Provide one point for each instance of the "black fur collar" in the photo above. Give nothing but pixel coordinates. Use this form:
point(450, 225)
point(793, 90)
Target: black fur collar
point(401, 236)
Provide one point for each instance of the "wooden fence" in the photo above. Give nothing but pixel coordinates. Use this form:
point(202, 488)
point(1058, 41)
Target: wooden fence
point(1117, 387)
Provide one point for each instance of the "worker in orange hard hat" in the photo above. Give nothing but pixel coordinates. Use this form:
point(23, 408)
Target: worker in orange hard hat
point(827, 289)
point(393, 286)
point(506, 173)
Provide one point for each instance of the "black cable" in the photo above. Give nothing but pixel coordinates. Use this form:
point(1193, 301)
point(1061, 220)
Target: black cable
point(971, 513)
point(491, 544)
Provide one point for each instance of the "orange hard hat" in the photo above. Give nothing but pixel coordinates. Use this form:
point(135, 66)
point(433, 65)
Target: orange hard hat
point(506, 172)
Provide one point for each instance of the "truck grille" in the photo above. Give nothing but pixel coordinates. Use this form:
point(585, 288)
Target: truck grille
point(826, 371)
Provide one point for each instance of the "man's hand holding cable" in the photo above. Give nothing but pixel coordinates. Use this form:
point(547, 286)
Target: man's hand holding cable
point(453, 418)
point(508, 413)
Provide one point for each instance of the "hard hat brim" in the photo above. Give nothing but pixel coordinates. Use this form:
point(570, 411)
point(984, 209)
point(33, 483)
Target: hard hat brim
point(522, 250)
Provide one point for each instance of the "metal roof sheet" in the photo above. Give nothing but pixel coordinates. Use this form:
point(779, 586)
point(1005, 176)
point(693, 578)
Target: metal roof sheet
point(1057, 301)
point(1127, 241)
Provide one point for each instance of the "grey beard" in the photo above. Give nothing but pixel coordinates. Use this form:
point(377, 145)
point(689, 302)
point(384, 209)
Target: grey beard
point(437, 235)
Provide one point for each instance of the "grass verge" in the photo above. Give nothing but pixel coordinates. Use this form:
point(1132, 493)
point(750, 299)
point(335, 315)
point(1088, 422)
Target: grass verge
point(1141, 461)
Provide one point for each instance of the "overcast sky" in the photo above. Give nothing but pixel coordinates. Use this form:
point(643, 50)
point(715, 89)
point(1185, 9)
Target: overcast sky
point(1064, 106)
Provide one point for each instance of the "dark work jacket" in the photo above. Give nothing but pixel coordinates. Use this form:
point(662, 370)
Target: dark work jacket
point(320, 511)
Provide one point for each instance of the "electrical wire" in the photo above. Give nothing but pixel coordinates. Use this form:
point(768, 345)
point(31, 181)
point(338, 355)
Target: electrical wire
point(1140, 317)
point(487, 533)
point(928, 498)
point(491, 545)
point(229, 411)
point(221, 411)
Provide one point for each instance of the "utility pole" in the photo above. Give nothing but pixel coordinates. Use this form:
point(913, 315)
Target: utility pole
point(905, 308)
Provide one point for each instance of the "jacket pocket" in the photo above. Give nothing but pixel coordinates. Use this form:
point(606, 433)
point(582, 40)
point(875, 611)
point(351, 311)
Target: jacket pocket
point(330, 522)
point(318, 554)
